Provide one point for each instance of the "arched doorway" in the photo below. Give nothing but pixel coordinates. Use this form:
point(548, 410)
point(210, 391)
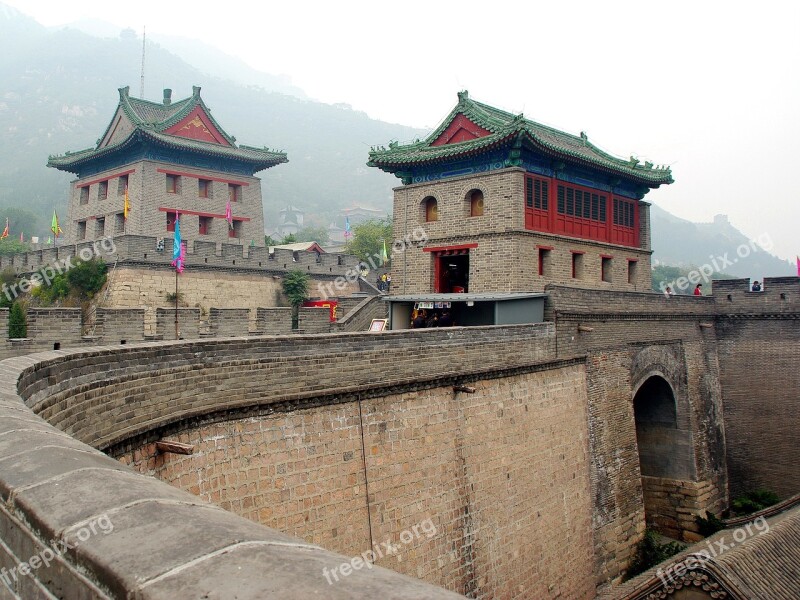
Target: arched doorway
point(656, 419)
point(665, 453)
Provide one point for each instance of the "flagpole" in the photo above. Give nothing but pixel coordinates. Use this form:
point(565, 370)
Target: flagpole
point(177, 332)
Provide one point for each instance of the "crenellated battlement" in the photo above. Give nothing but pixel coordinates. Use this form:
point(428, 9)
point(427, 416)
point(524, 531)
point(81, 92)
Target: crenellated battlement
point(158, 251)
point(777, 295)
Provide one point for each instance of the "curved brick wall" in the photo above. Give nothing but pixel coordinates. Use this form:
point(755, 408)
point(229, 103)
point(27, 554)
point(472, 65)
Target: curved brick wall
point(166, 543)
point(347, 476)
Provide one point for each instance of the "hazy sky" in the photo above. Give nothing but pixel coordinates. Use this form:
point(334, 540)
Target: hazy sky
point(710, 88)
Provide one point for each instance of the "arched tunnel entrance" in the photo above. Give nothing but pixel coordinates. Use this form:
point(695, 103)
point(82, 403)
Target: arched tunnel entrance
point(666, 457)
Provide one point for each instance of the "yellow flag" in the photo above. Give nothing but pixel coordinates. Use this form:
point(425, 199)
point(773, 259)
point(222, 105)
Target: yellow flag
point(127, 205)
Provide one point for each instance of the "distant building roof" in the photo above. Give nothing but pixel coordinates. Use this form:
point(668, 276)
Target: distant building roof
point(300, 247)
point(473, 128)
point(185, 125)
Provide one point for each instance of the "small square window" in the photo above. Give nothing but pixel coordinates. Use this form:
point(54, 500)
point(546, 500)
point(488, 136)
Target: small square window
point(577, 265)
point(102, 191)
point(205, 225)
point(234, 192)
point(119, 223)
point(81, 230)
point(476, 204)
point(170, 221)
point(203, 188)
point(544, 261)
point(172, 184)
point(605, 268)
point(633, 267)
point(85, 194)
point(99, 227)
point(236, 232)
point(122, 185)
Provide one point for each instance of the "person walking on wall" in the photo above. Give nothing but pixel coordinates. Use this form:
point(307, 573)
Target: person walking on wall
point(697, 290)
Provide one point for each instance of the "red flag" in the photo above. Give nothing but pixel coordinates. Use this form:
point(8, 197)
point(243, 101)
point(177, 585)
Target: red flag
point(798, 266)
point(229, 215)
point(5, 231)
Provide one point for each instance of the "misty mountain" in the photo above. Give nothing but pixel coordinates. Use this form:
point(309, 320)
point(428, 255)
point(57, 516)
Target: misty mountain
point(58, 93)
point(680, 242)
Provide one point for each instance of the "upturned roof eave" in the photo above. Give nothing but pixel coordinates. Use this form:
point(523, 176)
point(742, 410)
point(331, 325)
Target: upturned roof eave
point(415, 156)
point(72, 163)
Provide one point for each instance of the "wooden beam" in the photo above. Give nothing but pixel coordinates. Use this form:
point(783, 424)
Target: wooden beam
point(168, 447)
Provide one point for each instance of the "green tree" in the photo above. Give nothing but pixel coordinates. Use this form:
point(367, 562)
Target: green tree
point(268, 241)
point(10, 246)
point(368, 239)
point(289, 239)
point(17, 324)
point(295, 287)
point(313, 234)
point(88, 277)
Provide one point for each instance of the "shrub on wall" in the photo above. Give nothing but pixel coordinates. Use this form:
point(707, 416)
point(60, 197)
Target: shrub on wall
point(17, 324)
point(295, 286)
point(650, 552)
point(88, 277)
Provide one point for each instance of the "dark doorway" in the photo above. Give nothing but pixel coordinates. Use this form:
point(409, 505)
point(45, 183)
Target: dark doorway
point(666, 456)
point(656, 423)
point(451, 273)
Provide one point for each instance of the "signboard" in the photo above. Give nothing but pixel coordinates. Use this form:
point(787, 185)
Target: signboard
point(378, 324)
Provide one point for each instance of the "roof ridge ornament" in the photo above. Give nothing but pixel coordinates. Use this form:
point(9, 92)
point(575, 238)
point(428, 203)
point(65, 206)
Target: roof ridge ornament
point(463, 96)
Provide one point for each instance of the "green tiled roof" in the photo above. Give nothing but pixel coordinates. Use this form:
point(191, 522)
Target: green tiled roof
point(151, 119)
point(507, 129)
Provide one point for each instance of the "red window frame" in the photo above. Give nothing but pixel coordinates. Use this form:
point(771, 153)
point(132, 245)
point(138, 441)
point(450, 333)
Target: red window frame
point(170, 221)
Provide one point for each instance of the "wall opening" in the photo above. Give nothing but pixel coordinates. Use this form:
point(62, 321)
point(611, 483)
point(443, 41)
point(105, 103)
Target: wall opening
point(665, 452)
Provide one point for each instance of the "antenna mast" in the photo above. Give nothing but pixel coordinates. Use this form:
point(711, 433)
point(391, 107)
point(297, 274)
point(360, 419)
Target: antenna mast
point(141, 85)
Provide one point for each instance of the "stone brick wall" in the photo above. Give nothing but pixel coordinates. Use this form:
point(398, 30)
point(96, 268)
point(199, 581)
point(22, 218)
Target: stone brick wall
point(188, 323)
point(758, 350)
point(630, 337)
point(75, 523)
point(148, 287)
point(302, 367)
point(147, 193)
point(225, 322)
point(506, 256)
point(120, 324)
point(61, 325)
point(274, 321)
point(141, 251)
point(314, 320)
point(506, 508)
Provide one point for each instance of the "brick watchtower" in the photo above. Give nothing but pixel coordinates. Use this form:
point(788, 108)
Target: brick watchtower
point(511, 205)
point(168, 156)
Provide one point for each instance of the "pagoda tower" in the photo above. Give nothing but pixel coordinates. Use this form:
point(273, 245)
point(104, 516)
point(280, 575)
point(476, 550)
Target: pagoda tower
point(166, 157)
point(510, 205)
